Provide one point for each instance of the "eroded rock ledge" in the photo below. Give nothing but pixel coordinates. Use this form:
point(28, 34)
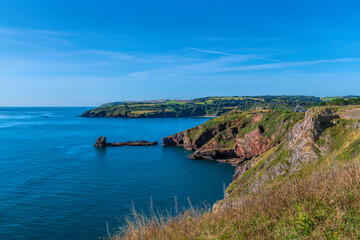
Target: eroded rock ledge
point(101, 142)
point(235, 137)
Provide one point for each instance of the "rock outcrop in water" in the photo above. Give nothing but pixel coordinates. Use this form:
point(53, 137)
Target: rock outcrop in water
point(101, 142)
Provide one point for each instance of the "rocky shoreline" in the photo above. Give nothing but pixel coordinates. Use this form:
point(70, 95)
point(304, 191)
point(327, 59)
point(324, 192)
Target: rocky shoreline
point(207, 142)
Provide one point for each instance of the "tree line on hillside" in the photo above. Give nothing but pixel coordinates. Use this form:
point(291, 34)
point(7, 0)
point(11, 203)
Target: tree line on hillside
point(341, 102)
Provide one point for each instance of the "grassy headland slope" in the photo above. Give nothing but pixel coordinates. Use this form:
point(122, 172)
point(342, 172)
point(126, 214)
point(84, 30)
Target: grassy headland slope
point(297, 177)
point(209, 106)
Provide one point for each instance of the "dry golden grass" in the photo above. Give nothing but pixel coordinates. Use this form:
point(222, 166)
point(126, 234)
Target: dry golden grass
point(322, 205)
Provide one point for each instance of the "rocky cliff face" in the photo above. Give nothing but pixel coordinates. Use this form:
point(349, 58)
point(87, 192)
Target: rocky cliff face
point(246, 147)
point(266, 146)
point(302, 137)
point(324, 135)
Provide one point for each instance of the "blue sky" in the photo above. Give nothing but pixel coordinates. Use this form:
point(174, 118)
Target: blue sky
point(85, 53)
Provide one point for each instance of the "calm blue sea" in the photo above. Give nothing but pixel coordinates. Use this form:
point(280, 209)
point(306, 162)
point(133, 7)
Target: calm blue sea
point(56, 185)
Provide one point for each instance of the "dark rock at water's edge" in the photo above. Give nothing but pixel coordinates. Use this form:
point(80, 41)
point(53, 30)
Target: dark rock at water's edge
point(132, 143)
point(101, 142)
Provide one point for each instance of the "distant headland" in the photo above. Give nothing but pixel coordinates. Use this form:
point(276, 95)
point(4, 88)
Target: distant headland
point(212, 106)
point(198, 107)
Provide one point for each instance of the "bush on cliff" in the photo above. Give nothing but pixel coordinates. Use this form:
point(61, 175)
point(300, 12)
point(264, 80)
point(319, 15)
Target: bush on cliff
point(343, 101)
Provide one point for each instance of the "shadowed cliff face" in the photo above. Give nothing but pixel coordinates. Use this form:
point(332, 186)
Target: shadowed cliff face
point(245, 148)
point(186, 140)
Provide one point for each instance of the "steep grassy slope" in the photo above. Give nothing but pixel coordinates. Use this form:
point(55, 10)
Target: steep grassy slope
point(297, 178)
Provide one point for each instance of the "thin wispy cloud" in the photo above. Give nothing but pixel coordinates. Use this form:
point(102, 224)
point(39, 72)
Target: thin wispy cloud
point(240, 39)
point(125, 36)
point(8, 31)
point(289, 64)
point(30, 31)
point(113, 54)
point(168, 53)
point(23, 43)
point(210, 51)
point(249, 56)
point(60, 56)
point(221, 66)
point(40, 39)
point(59, 46)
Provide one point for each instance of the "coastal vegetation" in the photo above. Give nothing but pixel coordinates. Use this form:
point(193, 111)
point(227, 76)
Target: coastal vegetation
point(297, 177)
point(342, 101)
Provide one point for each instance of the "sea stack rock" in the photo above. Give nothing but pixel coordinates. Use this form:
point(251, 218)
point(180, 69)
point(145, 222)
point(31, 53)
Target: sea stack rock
point(100, 142)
